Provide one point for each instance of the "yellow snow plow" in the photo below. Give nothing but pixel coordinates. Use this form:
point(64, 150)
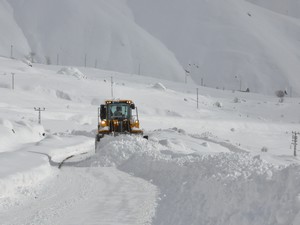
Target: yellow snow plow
point(117, 117)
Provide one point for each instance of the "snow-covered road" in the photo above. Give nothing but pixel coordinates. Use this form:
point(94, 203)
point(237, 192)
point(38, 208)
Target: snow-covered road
point(79, 195)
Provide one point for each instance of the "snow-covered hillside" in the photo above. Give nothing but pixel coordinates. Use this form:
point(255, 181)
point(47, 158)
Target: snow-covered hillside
point(228, 162)
point(95, 33)
point(232, 43)
point(11, 34)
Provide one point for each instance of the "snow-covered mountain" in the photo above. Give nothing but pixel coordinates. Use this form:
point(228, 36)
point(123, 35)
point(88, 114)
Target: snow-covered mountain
point(232, 42)
point(95, 33)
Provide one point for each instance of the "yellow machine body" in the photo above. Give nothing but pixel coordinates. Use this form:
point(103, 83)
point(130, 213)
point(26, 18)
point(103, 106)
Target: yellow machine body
point(118, 117)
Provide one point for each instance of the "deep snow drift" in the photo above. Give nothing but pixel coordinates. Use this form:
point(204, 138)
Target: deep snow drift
point(225, 188)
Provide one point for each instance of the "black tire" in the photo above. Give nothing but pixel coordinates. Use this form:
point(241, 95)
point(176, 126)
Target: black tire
point(97, 139)
point(146, 137)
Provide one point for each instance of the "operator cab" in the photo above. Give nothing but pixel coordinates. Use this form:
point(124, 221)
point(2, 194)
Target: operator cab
point(118, 111)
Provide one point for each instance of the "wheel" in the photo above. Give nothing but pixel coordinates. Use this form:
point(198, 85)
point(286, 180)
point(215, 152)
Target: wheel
point(97, 139)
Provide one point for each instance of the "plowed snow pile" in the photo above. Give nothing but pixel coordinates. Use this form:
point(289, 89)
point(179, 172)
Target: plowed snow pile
point(224, 188)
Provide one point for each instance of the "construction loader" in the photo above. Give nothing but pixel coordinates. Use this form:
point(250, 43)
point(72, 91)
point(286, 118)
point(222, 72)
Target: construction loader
point(116, 117)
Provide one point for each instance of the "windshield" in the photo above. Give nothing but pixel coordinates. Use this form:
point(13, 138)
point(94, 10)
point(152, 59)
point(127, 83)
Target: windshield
point(119, 110)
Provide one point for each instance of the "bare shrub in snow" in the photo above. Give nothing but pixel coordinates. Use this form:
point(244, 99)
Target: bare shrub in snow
point(264, 149)
point(63, 95)
point(205, 144)
point(218, 104)
point(280, 93)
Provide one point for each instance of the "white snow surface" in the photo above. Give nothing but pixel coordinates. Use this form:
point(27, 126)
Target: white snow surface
point(200, 165)
point(229, 44)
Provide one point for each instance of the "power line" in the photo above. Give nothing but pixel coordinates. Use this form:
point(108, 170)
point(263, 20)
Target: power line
point(40, 114)
point(294, 141)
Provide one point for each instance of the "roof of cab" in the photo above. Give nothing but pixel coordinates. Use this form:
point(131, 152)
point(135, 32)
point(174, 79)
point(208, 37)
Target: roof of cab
point(118, 101)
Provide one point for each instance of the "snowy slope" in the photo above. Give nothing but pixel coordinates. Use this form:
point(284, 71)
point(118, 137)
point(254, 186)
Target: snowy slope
point(99, 34)
point(287, 7)
point(231, 42)
point(11, 33)
point(232, 45)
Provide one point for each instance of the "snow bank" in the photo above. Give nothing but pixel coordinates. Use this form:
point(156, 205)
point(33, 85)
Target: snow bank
point(224, 188)
point(72, 72)
point(58, 148)
point(221, 189)
point(25, 169)
point(22, 172)
point(14, 133)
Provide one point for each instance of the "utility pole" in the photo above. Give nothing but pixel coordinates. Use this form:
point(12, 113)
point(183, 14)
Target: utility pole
point(294, 141)
point(187, 72)
point(85, 57)
point(112, 87)
point(12, 81)
point(11, 51)
point(240, 81)
point(240, 84)
point(40, 114)
point(197, 98)
point(96, 63)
